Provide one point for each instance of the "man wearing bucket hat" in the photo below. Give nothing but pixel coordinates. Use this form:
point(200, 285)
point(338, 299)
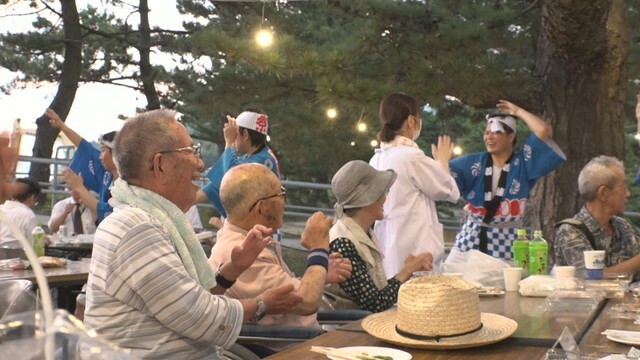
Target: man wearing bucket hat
point(360, 192)
point(245, 140)
point(438, 312)
point(496, 184)
point(90, 169)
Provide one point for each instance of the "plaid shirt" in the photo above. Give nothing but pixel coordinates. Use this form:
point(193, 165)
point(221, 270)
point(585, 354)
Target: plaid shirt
point(570, 241)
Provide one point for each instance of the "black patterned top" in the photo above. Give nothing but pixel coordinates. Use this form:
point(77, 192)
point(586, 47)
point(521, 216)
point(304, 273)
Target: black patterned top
point(360, 287)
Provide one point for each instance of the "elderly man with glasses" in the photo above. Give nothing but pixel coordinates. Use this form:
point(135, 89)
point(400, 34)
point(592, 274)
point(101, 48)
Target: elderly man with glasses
point(253, 195)
point(151, 289)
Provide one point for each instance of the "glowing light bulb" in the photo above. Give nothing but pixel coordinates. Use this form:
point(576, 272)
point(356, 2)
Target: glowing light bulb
point(332, 113)
point(353, 143)
point(457, 150)
point(362, 127)
point(264, 38)
point(374, 143)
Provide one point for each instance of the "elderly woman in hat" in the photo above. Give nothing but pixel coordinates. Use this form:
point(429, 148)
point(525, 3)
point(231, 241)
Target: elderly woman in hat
point(360, 191)
point(496, 184)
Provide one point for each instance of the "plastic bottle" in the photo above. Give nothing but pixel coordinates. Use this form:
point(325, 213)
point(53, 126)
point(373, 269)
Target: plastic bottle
point(520, 248)
point(37, 240)
point(538, 255)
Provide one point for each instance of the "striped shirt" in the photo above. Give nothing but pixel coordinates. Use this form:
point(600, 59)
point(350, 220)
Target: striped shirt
point(140, 297)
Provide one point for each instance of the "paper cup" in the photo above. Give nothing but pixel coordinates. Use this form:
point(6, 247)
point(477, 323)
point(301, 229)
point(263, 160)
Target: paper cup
point(594, 264)
point(565, 272)
point(512, 277)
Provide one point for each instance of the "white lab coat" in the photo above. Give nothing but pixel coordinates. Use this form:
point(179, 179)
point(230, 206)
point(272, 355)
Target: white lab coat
point(410, 224)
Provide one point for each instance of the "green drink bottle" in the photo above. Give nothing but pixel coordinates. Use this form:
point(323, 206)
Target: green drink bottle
point(538, 255)
point(520, 248)
point(37, 240)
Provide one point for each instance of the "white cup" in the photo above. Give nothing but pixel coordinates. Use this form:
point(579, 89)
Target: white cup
point(512, 277)
point(594, 264)
point(565, 272)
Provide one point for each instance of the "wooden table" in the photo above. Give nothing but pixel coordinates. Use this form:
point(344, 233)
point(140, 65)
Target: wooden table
point(537, 331)
point(67, 280)
point(76, 272)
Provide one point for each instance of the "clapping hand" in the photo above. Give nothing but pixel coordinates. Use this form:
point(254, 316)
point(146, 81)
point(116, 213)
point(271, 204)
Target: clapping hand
point(316, 232)
point(242, 256)
point(339, 269)
point(280, 300)
point(444, 150)
point(74, 181)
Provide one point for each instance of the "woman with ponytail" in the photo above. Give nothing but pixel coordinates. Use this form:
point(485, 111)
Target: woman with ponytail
point(410, 224)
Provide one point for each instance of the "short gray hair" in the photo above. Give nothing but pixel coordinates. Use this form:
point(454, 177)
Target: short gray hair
point(597, 173)
point(141, 137)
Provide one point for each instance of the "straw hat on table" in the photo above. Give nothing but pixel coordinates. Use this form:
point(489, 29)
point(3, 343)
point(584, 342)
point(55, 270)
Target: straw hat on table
point(438, 312)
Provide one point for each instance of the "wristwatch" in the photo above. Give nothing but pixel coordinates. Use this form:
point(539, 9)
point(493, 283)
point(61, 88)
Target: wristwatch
point(220, 280)
point(261, 312)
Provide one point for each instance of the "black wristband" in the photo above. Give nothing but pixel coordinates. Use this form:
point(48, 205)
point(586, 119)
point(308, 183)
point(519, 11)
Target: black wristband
point(220, 280)
point(318, 257)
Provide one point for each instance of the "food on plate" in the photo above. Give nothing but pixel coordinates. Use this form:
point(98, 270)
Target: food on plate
point(50, 261)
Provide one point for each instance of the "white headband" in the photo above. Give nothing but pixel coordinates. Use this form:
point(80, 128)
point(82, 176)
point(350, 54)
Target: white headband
point(496, 122)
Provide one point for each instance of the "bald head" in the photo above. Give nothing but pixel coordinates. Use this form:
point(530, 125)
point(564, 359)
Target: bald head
point(245, 184)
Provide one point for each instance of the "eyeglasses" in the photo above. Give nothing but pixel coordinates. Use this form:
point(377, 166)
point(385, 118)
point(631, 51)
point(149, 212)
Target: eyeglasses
point(195, 149)
point(283, 193)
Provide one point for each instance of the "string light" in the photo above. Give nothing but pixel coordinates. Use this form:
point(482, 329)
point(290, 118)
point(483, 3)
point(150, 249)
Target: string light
point(264, 38)
point(374, 143)
point(362, 127)
point(457, 150)
point(332, 113)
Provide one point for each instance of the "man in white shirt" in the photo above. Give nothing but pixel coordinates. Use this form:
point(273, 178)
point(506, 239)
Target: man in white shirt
point(18, 210)
point(74, 214)
point(150, 287)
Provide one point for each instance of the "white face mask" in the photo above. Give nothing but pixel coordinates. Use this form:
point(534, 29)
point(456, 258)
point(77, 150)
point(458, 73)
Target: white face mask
point(416, 133)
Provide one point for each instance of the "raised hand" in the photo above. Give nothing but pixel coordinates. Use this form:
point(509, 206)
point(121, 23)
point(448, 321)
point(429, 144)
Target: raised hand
point(242, 256)
point(280, 300)
point(74, 181)
point(8, 161)
point(54, 119)
point(508, 107)
point(339, 269)
point(230, 131)
point(316, 232)
point(443, 152)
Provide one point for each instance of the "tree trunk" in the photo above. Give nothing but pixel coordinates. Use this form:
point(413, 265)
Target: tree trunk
point(69, 77)
point(580, 74)
point(146, 70)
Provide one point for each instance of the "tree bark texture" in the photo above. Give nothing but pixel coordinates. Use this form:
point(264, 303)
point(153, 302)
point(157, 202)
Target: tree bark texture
point(580, 76)
point(69, 77)
point(146, 70)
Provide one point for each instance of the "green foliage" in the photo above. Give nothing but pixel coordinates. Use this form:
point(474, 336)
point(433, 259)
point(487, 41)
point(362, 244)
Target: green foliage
point(348, 55)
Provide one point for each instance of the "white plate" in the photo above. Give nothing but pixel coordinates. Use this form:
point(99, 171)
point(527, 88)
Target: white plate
point(377, 351)
point(624, 339)
point(490, 291)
